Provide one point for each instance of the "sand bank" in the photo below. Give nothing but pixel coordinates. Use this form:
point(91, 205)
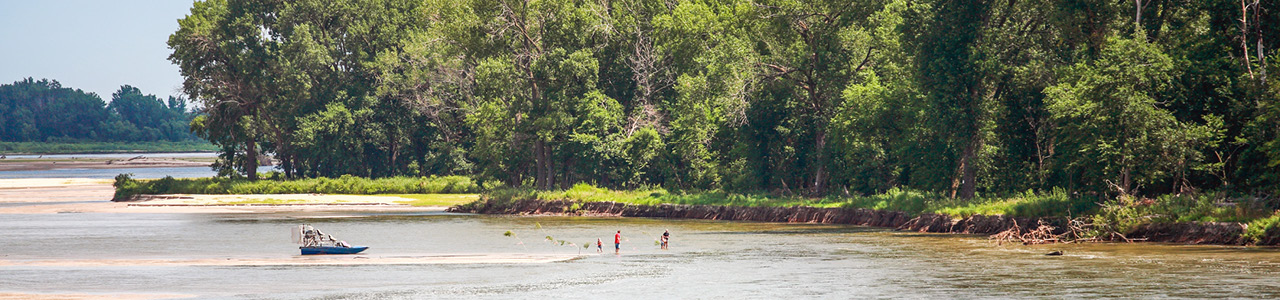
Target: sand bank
point(39, 165)
point(54, 190)
point(51, 182)
point(49, 196)
point(406, 259)
point(276, 199)
point(118, 207)
point(28, 296)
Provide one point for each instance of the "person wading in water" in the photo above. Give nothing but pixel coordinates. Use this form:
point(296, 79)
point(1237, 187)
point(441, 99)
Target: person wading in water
point(666, 238)
point(617, 242)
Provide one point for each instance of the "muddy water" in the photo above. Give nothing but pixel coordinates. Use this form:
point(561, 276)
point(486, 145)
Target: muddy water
point(707, 260)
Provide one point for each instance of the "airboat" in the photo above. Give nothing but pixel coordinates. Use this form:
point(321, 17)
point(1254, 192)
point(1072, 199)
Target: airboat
point(315, 242)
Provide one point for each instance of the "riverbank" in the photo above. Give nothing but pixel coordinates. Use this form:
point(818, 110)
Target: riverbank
point(11, 148)
point(140, 161)
point(1005, 228)
point(52, 196)
point(127, 188)
point(1045, 217)
point(33, 296)
point(315, 260)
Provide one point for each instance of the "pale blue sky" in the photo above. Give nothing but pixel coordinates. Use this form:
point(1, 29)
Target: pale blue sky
point(94, 45)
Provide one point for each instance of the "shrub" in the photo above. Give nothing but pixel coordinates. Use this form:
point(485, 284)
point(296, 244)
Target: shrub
point(126, 186)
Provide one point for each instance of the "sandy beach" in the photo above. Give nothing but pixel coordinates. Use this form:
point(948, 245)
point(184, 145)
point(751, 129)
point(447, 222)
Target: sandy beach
point(55, 195)
point(32, 296)
point(313, 260)
point(98, 163)
point(51, 196)
point(54, 190)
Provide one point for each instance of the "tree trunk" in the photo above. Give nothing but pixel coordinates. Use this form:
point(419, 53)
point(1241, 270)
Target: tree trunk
point(969, 188)
point(964, 184)
point(550, 165)
point(820, 175)
point(251, 159)
point(540, 170)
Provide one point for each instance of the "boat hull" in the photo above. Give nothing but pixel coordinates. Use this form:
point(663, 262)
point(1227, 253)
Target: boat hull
point(331, 250)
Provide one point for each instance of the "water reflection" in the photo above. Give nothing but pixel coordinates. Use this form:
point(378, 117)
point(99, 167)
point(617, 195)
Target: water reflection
point(708, 259)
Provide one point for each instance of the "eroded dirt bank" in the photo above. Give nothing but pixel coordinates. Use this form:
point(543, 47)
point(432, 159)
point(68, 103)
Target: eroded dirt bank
point(1185, 233)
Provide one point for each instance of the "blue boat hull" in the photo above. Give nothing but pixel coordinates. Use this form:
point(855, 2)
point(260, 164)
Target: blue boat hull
point(331, 250)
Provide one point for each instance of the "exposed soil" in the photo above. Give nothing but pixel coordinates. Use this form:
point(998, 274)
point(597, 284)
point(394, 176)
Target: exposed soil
point(1182, 233)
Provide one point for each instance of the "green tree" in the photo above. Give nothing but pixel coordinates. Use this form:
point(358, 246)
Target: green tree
point(223, 58)
point(1111, 126)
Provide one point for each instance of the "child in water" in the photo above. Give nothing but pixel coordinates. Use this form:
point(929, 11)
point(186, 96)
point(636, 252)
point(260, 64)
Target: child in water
point(599, 246)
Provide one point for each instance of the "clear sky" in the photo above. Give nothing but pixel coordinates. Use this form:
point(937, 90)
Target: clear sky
point(94, 45)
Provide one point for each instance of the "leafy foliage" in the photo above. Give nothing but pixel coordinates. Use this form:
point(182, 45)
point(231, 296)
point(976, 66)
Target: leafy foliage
point(45, 111)
point(915, 103)
point(126, 186)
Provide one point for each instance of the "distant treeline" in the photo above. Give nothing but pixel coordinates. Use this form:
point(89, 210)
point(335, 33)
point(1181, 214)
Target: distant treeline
point(812, 97)
point(45, 111)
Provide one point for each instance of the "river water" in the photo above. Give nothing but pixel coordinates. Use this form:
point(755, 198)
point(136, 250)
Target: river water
point(707, 259)
point(97, 173)
point(138, 173)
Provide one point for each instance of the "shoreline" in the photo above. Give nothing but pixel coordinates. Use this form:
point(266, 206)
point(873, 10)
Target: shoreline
point(82, 296)
point(78, 195)
point(312, 260)
point(52, 196)
point(1192, 233)
point(96, 163)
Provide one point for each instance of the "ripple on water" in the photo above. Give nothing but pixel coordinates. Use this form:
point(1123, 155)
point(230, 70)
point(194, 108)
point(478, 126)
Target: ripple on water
point(708, 259)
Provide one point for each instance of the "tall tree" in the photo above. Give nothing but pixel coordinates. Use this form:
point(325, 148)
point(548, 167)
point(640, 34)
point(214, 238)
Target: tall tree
point(223, 58)
point(954, 85)
point(1110, 119)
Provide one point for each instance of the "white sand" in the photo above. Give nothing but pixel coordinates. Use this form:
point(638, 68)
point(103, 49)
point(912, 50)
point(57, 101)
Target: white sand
point(99, 191)
point(28, 296)
point(184, 199)
point(300, 260)
point(50, 182)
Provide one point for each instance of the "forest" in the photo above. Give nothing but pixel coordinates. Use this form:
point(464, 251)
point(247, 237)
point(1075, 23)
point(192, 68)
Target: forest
point(811, 98)
point(45, 112)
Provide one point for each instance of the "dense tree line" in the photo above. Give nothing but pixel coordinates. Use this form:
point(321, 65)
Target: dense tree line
point(801, 97)
point(45, 111)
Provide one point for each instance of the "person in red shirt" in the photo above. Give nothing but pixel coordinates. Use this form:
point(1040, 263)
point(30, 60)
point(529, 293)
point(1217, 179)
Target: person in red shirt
point(617, 242)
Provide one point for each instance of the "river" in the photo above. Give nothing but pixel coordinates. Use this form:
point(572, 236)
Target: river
point(707, 259)
point(109, 173)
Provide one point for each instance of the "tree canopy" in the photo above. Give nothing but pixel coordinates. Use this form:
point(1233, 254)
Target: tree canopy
point(808, 97)
point(45, 111)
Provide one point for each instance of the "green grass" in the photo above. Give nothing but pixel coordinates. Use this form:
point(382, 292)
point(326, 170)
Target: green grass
point(104, 147)
point(436, 199)
point(1262, 227)
point(1029, 204)
point(126, 186)
point(267, 201)
point(655, 196)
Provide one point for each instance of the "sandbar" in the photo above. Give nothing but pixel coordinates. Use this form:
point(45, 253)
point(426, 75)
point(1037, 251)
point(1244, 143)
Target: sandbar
point(30, 296)
point(54, 164)
point(57, 195)
point(310, 260)
point(54, 190)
